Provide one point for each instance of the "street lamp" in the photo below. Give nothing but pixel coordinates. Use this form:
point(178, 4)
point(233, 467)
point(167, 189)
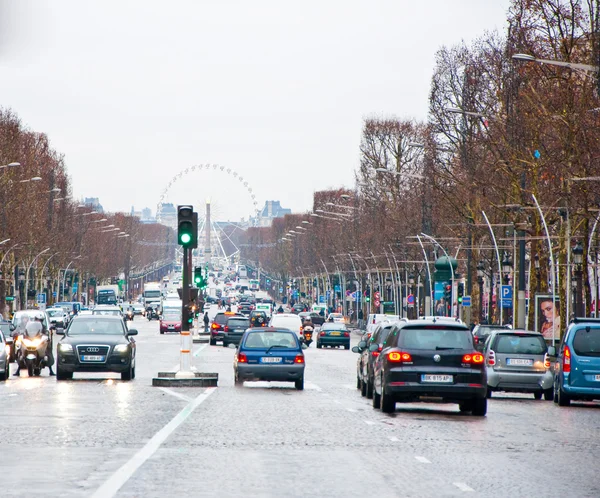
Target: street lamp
point(586, 68)
point(10, 165)
point(578, 260)
point(536, 264)
point(480, 274)
point(506, 267)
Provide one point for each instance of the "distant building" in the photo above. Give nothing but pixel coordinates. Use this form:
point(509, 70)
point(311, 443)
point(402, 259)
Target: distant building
point(94, 203)
point(268, 213)
point(145, 215)
point(168, 216)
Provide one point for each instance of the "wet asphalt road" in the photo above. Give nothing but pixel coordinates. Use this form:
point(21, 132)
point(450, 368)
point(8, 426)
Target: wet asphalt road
point(99, 436)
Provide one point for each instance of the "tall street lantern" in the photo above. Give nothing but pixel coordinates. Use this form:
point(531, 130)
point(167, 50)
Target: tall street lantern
point(506, 267)
point(480, 274)
point(577, 252)
point(411, 283)
point(536, 263)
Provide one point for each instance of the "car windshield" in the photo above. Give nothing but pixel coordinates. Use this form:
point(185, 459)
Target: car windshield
point(96, 326)
point(53, 313)
point(587, 342)
point(436, 338)
point(486, 330)
point(520, 344)
point(171, 316)
point(265, 340)
point(238, 322)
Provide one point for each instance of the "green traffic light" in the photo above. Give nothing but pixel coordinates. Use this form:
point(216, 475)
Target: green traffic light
point(186, 238)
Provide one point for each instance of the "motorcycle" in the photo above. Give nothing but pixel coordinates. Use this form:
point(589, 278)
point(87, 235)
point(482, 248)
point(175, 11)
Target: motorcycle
point(307, 333)
point(129, 315)
point(32, 353)
point(151, 314)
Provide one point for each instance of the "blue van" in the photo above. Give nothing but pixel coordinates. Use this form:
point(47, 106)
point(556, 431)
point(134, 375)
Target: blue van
point(577, 368)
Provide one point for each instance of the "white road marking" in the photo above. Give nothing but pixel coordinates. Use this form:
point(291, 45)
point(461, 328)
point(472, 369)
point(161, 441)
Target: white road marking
point(122, 475)
point(422, 459)
point(463, 487)
point(311, 386)
point(176, 394)
point(351, 410)
point(370, 422)
point(394, 439)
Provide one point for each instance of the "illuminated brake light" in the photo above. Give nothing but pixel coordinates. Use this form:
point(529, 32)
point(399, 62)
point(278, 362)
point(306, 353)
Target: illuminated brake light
point(546, 361)
point(299, 358)
point(491, 359)
point(346, 334)
point(567, 360)
point(242, 358)
point(226, 329)
point(399, 357)
point(322, 334)
point(214, 326)
point(375, 354)
point(473, 358)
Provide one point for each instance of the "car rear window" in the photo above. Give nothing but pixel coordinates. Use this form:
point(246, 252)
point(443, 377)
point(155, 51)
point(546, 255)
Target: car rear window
point(519, 344)
point(436, 338)
point(262, 340)
point(587, 342)
point(238, 322)
point(334, 326)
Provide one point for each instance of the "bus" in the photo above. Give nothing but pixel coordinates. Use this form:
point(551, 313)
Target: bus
point(242, 271)
point(254, 285)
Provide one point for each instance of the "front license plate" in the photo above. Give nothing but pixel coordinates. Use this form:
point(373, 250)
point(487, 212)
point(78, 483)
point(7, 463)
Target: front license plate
point(270, 359)
point(447, 379)
point(597, 378)
point(336, 333)
point(519, 362)
point(92, 358)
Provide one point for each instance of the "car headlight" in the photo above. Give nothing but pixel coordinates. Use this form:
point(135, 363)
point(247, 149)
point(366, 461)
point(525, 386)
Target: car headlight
point(65, 348)
point(121, 348)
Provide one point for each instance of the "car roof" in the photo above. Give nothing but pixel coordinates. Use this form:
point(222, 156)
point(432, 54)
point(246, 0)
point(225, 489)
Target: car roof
point(515, 332)
point(285, 315)
point(270, 329)
point(425, 322)
point(97, 317)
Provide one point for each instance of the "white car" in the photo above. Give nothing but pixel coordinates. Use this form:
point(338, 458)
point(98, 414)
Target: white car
point(287, 321)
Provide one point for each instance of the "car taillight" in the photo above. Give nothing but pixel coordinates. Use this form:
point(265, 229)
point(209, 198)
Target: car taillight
point(546, 361)
point(322, 334)
point(299, 358)
point(376, 353)
point(242, 358)
point(214, 326)
point(491, 358)
point(226, 329)
point(473, 359)
point(566, 366)
point(399, 357)
point(346, 334)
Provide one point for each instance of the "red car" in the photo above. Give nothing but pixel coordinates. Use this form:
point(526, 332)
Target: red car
point(170, 322)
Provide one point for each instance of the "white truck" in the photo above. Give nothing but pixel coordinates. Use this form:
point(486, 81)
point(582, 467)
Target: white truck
point(152, 294)
point(107, 294)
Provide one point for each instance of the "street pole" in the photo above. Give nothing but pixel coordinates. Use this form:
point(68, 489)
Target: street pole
point(185, 361)
point(499, 292)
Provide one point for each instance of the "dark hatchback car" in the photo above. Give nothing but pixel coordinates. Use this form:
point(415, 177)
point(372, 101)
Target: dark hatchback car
point(334, 334)
point(245, 308)
point(428, 360)
point(234, 330)
point(366, 360)
point(313, 317)
point(93, 343)
point(218, 325)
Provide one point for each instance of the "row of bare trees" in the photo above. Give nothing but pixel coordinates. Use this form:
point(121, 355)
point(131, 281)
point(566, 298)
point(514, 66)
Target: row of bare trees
point(500, 132)
point(45, 230)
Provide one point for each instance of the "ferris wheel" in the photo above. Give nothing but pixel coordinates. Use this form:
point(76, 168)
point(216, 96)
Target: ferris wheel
point(207, 167)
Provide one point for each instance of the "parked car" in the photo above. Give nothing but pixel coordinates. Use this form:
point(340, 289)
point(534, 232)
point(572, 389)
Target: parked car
point(517, 361)
point(577, 367)
point(234, 329)
point(373, 319)
point(269, 354)
point(426, 358)
point(4, 358)
point(333, 334)
point(7, 330)
point(481, 333)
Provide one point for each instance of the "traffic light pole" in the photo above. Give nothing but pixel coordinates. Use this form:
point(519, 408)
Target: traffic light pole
point(185, 365)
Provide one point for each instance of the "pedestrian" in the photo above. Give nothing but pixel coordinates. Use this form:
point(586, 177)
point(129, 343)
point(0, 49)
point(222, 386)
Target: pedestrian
point(361, 317)
point(206, 320)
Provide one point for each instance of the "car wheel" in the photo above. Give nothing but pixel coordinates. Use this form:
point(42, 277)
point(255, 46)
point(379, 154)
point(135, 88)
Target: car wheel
point(236, 379)
point(488, 393)
point(162, 332)
point(299, 384)
point(537, 395)
point(225, 345)
point(369, 390)
point(363, 388)
point(376, 399)
point(128, 375)
point(347, 346)
point(133, 373)
point(62, 375)
point(388, 404)
point(4, 375)
point(30, 369)
point(465, 407)
point(548, 394)
point(563, 398)
point(357, 382)
point(479, 407)
point(213, 342)
point(319, 345)
point(555, 394)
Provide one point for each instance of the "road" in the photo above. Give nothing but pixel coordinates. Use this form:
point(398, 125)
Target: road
point(98, 436)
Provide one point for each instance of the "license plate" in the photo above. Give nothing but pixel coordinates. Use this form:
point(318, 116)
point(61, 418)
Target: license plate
point(448, 379)
point(597, 378)
point(519, 362)
point(270, 359)
point(336, 333)
point(92, 358)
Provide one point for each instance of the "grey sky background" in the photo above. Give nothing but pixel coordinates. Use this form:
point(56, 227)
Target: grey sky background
point(132, 92)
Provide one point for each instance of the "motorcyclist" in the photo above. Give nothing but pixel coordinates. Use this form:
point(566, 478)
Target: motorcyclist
point(32, 329)
point(280, 309)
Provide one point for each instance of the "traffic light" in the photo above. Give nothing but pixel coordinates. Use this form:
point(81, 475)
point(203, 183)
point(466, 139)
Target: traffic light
point(187, 227)
point(448, 293)
point(460, 292)
point(368, 294)
point(198, 276)
point(190, 314)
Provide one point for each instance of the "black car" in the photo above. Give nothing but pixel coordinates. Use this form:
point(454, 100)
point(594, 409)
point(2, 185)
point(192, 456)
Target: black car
point(367, 358)
point(234, 330)
point(426, 359)
point(481, 333)
point(96, 343)
point(315, 318)
point(7, 330)
point(245, 308)
point(258, 318)
point(218, 324)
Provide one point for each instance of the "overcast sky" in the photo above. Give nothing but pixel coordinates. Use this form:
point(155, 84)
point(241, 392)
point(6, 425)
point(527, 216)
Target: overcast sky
point(132, 92)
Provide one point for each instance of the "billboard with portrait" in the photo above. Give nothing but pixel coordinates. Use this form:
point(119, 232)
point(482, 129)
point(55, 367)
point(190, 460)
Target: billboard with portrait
point(547, 317)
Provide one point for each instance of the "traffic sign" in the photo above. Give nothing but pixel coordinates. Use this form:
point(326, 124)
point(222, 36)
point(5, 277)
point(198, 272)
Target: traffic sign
point(41, 298)
point(280, 290)
point(466, 301)
point(410, 299)
point(10, 298)
point(377, 296)
point(507, 296)
point(54, 294)
point(321, 299)
point(377, 303)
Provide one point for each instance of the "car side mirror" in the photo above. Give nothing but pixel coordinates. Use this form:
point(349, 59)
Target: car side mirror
point(356, 349)
point(60, 331)
point(374, 347)
point(132, 332)
point(362, 344)
point(551, 351)
point(12, 327)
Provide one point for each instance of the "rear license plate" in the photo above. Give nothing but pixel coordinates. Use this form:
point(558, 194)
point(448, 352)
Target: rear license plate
point(92, 358)
point(597, 378)
point(447, 379)
point(519, 362)
point(336, 333)
point(269, 359)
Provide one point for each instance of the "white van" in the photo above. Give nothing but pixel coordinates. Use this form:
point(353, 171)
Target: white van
point(287, 321)
point(266, 307)
point(374, 319)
